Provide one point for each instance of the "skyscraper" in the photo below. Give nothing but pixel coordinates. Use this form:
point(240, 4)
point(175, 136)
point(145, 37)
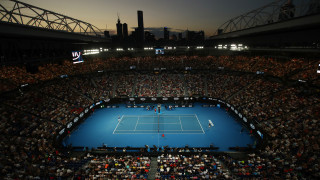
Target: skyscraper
point(125, 30)
point(119, 29)
point(140, 20)
point(140, 33)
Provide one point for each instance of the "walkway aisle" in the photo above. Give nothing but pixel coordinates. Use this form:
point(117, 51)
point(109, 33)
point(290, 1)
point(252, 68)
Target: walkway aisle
point(133, 93)
point(185, 92)
point(205, 85)
point(115, 84)
point(153, 168)
point(159, 91)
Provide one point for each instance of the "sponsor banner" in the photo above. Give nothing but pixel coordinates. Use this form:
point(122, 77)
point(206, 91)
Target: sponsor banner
point(260, 134)
point(62, 131)
point(76, 119)
point(69, 125)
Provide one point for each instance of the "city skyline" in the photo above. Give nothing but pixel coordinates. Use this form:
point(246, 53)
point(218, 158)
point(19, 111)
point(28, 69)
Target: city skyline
point(178, 15)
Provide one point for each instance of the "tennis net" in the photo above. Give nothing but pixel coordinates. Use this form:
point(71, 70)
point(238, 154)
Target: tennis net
point(158, 123)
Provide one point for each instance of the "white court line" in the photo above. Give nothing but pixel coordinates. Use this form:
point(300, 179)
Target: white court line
point(179, 131)
point(141, 115)
point(159, 123)
point(136, 123)
point(199, 123)
point(180, 123)
point(163, 115)
point(162, 130)
point(117, 124)
point(179, 115)
point(158, 133)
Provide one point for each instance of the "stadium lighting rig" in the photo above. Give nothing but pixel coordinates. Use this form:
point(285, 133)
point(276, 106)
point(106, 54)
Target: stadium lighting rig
point(148, 48)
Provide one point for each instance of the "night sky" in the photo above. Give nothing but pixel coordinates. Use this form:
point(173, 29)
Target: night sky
point(178, 15)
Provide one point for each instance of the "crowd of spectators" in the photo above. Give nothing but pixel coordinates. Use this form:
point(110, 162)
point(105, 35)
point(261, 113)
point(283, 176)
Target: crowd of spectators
point(172, 85)
point(147, 85)
point(106, 84)
point(196, 84)
point(87, 87)
point(287, 112)
point(228, 84)
point(63, 91)
point(125, 84)
point(115, 167)
point(197, 166)
point(275, 104)
point(295, 68)
point(255, 91)
point(34, 102)
point(291, 153)
point(6, 86)
point(26, 147)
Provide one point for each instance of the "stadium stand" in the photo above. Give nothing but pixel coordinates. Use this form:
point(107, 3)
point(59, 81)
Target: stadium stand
point(284, 108)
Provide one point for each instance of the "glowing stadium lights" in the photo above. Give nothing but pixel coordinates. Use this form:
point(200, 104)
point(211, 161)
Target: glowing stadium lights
point(199, 47)
point(233, 47)
point(119, 49)
point(130, 49)
point(170, 47)
point(91, 51)
point(148, 48)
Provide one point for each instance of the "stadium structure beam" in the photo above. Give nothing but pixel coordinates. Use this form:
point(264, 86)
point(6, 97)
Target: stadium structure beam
point(16, 12)
point(277, 11)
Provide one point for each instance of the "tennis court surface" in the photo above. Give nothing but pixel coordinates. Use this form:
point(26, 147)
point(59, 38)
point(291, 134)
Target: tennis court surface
point(174, 128)
point(151, 124)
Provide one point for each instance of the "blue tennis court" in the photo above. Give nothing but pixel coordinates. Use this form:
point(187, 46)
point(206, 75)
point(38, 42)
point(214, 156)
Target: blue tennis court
point(169, 124)
point(139, 127)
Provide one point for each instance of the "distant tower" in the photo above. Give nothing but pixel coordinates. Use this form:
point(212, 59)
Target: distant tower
point(125, 30)
point(140, 20)
point(165, 33)
point(140, 29)
point(119, 29)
